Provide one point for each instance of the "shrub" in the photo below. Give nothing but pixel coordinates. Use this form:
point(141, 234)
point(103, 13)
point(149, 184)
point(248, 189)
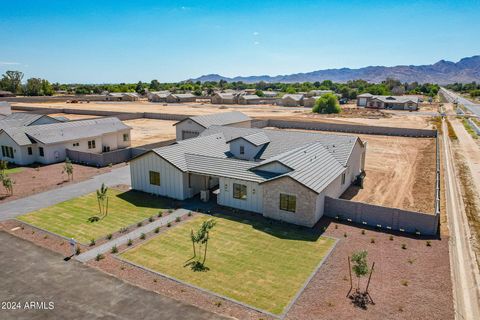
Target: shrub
point(155, 280)
point(170, 210)
point(404, 246)
point(78, 251)
point(391, 238)
point(429, 243)
point(157, 230)
point(99, 257)
point(139, 224)
point(109, 236)
point(169, 225)
point(123, 230)
point(142, 236)
point(150, 219)
point(189, 213)
point(345, 234)
point(327, 103)
point(92, 242)
point(336, 226)
point(45, 236)
point(114, 249)
point(130, 242)
point(160, 214)
point(372, 240)
point(177, 219)
point(363, 231)
point(218, 303)
point(404, 283)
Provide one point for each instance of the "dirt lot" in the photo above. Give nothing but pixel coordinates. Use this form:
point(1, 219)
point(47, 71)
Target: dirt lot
point(35, 180)
point(71, 116)
point(350, 114)
point(147, 131)
point(400, 173)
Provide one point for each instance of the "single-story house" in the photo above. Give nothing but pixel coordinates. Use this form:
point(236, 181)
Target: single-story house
point(388, 102)
point(185, 97)
point(191, 127)
point(122, 96)
point(318, 93)
point(47, 143)
point(292, 100)
point(270, 94)
point(249, 99)
point(309, 102)
point(158, 96)
point(22, 119)
point(283, 175)
point(224, 98)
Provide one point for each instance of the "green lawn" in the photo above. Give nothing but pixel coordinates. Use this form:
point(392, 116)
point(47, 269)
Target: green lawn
point(252, 262)
point(14, 170)
point(70, 218)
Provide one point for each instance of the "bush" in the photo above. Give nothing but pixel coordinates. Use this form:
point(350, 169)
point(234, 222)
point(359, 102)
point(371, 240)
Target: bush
point(328, 103)
point(139, 224)
point(391, 238)
point(160, 214)
point(170, 210)
point(177, 219)
point(169, 225)
point(363, 231)
point(345, 234)
point(114, 249)
point(92, 242)
point(109, 236)
point(429, 243)
point(157, 230)
point(372, 240)
point(142, 236)
point(78, 251)
point(99, 257)
point(404, 246)
point(130, 242)
point(150, 219)
point(189, 213)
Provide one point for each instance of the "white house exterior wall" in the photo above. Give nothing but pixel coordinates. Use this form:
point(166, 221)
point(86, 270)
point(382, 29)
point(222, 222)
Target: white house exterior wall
point(18, 154)
point(362, 102)
point(171, 178)
point(254, 201)
point(275, 167)
point(187, 125)
point(250, 150)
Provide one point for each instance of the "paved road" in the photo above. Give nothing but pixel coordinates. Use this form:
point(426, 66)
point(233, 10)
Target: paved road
point(135, 234)
point(454, 97)
point(462, 258)
point(37, 201)
point(31, 273)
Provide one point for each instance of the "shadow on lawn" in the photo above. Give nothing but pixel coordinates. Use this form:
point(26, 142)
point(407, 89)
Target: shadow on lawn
point(279, 229)
point(145, 200)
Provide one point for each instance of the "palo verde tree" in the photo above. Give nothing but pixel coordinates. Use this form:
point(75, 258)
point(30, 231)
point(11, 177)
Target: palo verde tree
point(68, 169)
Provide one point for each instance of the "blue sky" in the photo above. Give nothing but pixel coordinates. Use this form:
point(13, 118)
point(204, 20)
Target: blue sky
point(127, 41)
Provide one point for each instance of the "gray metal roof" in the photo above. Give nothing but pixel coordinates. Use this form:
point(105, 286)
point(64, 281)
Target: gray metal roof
point(250, 97)
point(65, 131)
point(296, 97)
point(184, 95)
point(281, 141)
point(220, 119)
point(397, 99)
point(20, 119)
point(257, 138)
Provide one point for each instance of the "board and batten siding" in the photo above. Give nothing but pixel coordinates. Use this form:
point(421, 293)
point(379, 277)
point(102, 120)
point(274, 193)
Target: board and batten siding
point(254, 201)
point(171, 178)
point(250, 150)
point(187, 125)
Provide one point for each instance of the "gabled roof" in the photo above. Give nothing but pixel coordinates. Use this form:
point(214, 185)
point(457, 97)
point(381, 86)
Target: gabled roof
point(65, 131)
point(296, 97)
point(250, 97)
point(225, 95)
point(365, 95)
point(20, 119)
point(220, 119)
point(257, 138)
point(184, 95)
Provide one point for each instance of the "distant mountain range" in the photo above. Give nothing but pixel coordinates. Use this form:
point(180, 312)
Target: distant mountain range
point(442, 72)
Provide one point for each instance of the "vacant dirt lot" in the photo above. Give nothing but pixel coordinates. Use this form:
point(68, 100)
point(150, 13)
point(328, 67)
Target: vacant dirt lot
point(71, 116)
point(34, 180)
point(350, 114)
point(148, 131)
point(400, 173)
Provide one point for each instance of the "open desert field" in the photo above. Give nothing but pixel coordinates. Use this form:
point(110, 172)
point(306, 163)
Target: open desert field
point(71, 116)
point(148, 131)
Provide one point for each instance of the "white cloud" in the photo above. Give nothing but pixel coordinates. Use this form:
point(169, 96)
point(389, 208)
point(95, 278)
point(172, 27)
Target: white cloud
point(256, 33)
point(256, 43)
point(8, 63)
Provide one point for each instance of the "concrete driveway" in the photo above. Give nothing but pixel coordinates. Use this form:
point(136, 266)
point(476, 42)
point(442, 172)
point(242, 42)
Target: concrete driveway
point(30, 273)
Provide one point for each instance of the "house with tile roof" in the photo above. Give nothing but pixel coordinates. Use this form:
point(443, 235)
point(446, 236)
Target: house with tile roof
point(283, 175)
point(47, 143)
point(388, 102)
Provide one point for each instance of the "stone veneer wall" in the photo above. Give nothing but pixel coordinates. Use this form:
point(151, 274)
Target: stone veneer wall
point(306, 201)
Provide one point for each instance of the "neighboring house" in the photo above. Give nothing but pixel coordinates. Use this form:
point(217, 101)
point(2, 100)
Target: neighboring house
point(122, 96)
point(249, 99)
point(185, 97)
point(191, 127)
point(158, 96)
point(6, 94)
point(5, 108)
point(283, 175)
point(224, 98)
point(318, 93)
point(292, 100)
point(22, 119)
point(388, 102)
point(270, 94)
point(310, 101)
point(47, 143)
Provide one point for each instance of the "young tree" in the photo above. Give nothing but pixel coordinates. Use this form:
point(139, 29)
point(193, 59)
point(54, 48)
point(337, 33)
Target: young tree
point(3, 166)
point(68, 169)
point(327, 103)
point(102, 199)
point(201, 237)
point(8, 184)
point(360, 266)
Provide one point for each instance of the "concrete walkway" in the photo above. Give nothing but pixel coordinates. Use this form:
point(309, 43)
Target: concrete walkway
point(135, 234)
point(37, 201)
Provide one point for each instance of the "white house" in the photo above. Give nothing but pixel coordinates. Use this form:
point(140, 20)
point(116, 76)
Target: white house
point(284, 175)
point(191, 127)
point(47, 143)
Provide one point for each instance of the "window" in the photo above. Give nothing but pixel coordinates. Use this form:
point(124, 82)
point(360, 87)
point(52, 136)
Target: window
point(242, 150)
point(155, 178)
point(7, 151)
point(91, 144)
point(343, 178)
point(29, 151)
point(76, 144)
point(239, 191)
point(288, 202)
point(40, 151)
point(125, 137)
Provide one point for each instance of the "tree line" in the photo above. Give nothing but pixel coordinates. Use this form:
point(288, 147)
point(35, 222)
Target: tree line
point(12, 81)
point(472, 88)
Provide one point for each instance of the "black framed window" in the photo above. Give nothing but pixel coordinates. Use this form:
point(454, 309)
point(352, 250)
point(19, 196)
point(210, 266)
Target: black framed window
point(239, 191)
point(40, 152)
point(288, 202)
point(154, 178)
